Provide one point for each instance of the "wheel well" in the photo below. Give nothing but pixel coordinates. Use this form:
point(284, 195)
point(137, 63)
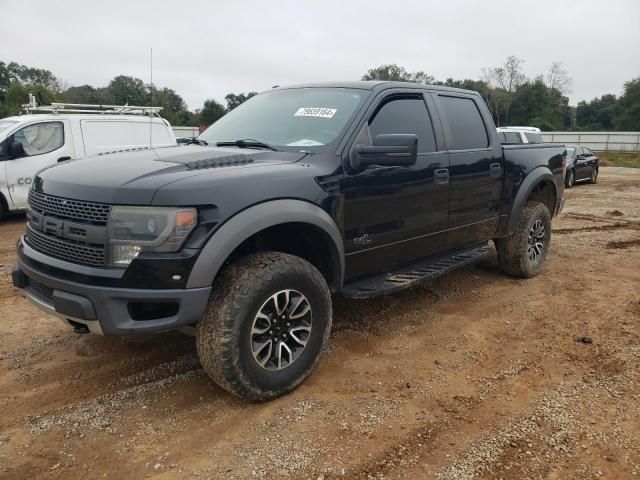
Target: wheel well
point(545, 193)
point(4, 204)
point(300, 239)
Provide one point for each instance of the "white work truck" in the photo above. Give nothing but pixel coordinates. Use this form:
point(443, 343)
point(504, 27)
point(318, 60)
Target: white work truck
point(33, 141)
point(517, 135)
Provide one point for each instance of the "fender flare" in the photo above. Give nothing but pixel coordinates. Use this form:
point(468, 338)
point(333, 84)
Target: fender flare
point(253, 220)
point(531, 181)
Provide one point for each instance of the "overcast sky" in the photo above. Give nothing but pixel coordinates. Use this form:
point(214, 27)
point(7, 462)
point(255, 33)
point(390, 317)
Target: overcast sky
point(205, 49)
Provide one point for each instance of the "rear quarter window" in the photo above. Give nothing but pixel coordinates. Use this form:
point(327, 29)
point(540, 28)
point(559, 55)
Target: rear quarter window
point(466, 127)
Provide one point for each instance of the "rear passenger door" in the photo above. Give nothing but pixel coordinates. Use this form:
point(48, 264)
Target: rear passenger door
point(396, 215)
point(475, 169)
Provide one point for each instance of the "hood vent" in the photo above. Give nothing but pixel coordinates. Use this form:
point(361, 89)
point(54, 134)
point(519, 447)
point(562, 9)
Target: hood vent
point(216, 162)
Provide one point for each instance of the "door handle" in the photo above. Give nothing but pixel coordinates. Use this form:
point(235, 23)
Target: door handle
point(441, 176)
point(495, 170)
point(63, 159)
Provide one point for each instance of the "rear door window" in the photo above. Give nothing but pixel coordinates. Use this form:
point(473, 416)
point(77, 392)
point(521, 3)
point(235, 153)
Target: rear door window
point(405, 115)
point(533, 137)
point(511, 138)
point(466, 127)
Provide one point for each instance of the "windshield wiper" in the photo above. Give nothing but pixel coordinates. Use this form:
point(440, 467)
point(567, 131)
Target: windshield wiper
point(247, 143)
point(194, 141)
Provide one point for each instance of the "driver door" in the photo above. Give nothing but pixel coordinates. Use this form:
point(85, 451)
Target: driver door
point(394, 215)
point(44, 144)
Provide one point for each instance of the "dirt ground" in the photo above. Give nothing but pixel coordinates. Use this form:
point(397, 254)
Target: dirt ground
point(472, 375)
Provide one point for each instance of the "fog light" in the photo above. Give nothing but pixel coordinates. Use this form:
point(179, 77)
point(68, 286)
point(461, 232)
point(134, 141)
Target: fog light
point(124, 254)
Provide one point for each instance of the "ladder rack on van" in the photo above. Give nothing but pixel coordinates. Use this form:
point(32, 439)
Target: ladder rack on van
point(55, 107)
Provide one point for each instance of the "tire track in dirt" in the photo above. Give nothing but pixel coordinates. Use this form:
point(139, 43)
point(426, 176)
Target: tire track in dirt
point(599, 228)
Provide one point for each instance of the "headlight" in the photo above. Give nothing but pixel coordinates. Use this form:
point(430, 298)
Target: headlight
point(133, 230)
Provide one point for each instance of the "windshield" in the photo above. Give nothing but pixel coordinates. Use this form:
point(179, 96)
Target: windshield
point(4, 124)
point(300, 119)
point(571, 152)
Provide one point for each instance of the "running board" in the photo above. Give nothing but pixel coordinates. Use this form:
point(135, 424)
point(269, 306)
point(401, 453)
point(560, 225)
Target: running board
point(412, 274)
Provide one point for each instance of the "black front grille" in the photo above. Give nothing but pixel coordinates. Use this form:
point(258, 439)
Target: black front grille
point(41, 290)
point(76, 210)
point(84, 254)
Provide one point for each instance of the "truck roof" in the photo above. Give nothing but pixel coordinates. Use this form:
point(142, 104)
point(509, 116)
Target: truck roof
point(373, 85)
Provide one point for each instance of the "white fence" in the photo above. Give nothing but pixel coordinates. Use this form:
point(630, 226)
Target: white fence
point(599, 141)
point(187, 132)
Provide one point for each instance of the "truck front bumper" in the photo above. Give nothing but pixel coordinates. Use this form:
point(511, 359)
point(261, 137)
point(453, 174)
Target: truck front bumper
point(107, 310)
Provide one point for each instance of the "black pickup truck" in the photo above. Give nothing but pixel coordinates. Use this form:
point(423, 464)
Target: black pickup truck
point(361, 188)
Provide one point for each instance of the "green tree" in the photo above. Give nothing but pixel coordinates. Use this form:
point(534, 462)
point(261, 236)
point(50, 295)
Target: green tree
point(537, 105)
point(124, 90)
point(211, 111)
point(86, 94)
point(393, 72)
point(13, 72)
point(629, 118)
point(173, 106)
point(16, 81)
point(598, 114)
point(17, 94)
point(233, 99)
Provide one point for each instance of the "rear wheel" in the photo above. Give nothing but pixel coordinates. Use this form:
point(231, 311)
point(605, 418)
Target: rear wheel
point(570, 180)
point(267, 323)
point(523, 253)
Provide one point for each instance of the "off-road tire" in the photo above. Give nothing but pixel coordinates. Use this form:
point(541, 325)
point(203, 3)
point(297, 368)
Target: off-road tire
point(570, 181)
point(513, 251)
point(224, 334)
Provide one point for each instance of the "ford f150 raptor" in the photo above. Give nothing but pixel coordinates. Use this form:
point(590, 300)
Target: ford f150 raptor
point(361, 188)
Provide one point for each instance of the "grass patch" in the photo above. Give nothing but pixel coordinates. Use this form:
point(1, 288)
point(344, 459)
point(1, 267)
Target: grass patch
point(619, 159)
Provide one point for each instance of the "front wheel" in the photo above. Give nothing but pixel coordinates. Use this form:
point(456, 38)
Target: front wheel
point(523, 253)
point(594, 176)
point(268, 320)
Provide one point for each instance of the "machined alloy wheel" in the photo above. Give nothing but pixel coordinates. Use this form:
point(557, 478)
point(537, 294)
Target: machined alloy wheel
point(537, 234)
point(281, 329)
point(523, 253)
point(594, 176)
point(267, 323)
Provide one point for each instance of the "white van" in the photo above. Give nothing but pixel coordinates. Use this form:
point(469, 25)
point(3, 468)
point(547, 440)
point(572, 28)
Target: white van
point(31, 142)
point(516, 135)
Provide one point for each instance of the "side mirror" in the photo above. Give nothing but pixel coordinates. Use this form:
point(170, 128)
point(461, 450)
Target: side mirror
point(398, 150)
point(16, 150)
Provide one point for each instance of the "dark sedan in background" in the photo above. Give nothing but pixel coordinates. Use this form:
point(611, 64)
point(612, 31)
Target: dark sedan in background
point(582, 166)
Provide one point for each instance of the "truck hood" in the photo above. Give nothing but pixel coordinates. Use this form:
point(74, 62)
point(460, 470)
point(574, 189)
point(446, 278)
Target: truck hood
point(134, 177)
